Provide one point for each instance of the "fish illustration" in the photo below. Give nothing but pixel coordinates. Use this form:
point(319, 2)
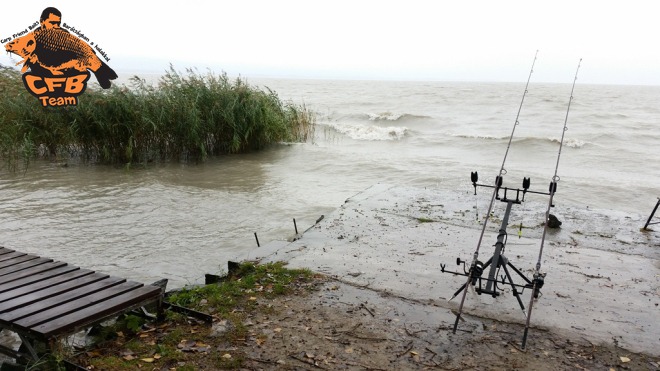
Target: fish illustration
point(23, 47)
point(57, 50)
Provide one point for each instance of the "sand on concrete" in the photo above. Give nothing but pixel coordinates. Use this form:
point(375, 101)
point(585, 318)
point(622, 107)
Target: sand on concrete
point(603, 273)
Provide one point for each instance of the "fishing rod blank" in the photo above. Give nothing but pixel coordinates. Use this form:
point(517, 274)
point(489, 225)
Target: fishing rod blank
point(538, 276)
point(498, 183)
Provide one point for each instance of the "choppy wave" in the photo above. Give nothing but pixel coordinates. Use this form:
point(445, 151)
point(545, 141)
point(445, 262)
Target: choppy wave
point(390, 116)
point(568, 142)
point(369, 116)
point(370, 132)
point(477, 136)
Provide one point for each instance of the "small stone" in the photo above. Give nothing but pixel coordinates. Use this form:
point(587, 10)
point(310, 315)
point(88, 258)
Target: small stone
point(220, 328)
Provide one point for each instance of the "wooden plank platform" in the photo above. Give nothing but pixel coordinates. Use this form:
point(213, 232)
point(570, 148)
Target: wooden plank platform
point(41, 299)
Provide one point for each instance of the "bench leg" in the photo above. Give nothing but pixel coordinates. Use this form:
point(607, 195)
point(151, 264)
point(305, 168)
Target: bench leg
point(26, 343)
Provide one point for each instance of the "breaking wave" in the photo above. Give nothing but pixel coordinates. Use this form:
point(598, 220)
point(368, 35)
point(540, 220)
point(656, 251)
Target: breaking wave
point(467, 136)
point(390, 116)
point(370, 132)
point(568, 142)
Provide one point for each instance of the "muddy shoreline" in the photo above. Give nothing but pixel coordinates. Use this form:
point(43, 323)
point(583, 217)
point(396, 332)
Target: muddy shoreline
point(342, 326)
point(603, 274)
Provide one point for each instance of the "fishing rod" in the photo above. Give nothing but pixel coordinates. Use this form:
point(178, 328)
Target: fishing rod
point(538, 276)
point(476, 270)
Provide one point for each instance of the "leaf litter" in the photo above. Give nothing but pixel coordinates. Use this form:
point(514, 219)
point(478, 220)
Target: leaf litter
point(323, 324)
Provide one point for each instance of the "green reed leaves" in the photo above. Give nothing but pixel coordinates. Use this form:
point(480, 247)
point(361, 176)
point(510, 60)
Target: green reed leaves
point(185, 117)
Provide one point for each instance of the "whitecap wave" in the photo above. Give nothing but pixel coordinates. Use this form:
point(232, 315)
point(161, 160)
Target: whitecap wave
point(384, 116)
point(391, 116)
point(570, 142)
point(371, 132)
point(476, 136)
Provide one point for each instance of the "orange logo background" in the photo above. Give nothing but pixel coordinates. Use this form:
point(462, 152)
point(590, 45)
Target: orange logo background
point(58, 62)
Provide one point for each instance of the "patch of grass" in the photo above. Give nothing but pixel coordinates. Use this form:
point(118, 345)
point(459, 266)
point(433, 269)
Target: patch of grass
point(241, 288)
point(425, 220)
point(174, 337)
point(176, 343)
point(113, 363)
point(226, 363)
point(134, 345)
point(186, 368)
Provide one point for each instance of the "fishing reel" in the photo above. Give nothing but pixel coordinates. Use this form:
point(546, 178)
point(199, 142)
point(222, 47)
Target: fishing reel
point(475, 272)
point(537, 284)
point(492, 285)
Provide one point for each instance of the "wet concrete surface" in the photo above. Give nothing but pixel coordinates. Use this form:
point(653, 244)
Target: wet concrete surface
point(603, 272)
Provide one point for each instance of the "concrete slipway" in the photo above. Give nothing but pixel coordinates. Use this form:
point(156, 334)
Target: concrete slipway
point(603, 273)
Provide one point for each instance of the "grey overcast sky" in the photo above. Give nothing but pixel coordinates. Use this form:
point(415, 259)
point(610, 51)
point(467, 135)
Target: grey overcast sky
point(466, 40)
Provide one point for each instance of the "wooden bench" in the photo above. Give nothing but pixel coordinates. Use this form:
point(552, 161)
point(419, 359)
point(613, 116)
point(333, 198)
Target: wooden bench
point(42, 300)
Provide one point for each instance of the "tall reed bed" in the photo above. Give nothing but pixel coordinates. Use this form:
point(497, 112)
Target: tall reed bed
point(185, 117)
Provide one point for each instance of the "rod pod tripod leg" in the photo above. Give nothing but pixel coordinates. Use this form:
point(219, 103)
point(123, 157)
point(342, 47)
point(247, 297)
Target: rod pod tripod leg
point(498, 260)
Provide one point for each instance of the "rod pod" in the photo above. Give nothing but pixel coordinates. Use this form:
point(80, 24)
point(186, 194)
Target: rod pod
point(473, 264)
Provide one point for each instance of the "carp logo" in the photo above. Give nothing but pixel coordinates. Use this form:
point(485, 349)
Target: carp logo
point(58, 62)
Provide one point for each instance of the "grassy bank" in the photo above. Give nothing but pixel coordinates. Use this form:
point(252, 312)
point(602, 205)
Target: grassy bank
point(274, 318)
point(184, 343)
point(185, 117)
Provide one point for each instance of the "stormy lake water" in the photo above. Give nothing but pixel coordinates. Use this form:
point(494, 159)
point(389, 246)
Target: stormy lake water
point(179, 221)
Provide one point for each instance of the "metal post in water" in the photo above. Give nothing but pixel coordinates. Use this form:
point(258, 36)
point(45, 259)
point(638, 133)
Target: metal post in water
point(256, 238)
point(648, 222)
